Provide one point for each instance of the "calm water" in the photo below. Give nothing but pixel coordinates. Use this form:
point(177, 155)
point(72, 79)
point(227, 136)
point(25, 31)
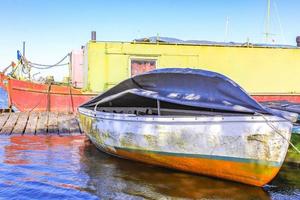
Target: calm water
point(34, 167)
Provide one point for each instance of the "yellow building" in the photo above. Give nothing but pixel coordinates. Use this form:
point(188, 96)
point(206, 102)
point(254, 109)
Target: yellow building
point(261, 70)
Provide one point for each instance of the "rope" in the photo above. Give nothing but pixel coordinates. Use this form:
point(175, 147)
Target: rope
point(6, 68)
point(14, 70)
point(48, 97)
point(44, 66)
point(23, 70)
point(278, 132)
point(36, 105)
point(71, 95)
point(33, 66)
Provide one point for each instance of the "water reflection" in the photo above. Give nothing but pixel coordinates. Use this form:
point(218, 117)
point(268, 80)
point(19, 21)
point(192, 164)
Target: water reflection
point(34, 167)
point(286, 185)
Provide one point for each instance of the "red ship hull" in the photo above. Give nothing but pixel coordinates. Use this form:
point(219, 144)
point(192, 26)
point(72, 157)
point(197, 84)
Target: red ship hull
point(282, 97)
point(30, 96)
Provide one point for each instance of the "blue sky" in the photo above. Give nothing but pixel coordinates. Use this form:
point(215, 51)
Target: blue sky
point(51, 28)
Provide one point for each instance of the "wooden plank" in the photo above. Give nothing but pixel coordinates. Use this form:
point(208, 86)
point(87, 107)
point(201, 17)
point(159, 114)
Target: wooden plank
point(74, 126)
point(41, 127)
point(52, 123)
point(31, 124)
point(39, 123)
point(21, 123)
point(63, 124)
point(3, 119)
point(10, 124)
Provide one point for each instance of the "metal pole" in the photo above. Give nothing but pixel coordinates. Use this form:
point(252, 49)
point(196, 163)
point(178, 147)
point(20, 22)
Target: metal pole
point(93, 36)
point(71, 81)
point(25, 60)
point(70, 68)
point(24, 48)
point(158, 107)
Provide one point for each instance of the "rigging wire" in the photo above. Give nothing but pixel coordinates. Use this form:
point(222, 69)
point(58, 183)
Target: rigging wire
point(279, 22)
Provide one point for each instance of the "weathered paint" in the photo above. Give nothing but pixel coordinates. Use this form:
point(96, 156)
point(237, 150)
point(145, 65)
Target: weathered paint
point(267, 73)
point(244, 148)
point(29, 96)
point(249, 173)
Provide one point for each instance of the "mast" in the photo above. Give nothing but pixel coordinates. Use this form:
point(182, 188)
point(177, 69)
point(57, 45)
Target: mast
point(267, 28)
point(24, 48)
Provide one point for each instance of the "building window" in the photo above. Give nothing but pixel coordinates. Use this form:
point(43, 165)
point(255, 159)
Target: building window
point(139, 66)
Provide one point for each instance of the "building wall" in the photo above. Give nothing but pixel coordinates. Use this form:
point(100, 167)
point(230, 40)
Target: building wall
point(258, 70)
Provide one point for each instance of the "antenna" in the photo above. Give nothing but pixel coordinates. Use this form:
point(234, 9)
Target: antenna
point(279, 22)
point(226, 29)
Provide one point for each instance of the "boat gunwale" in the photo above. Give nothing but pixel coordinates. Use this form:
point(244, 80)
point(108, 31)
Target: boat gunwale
point(177, 119)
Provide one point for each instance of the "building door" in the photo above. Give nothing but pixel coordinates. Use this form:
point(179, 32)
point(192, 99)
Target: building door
point(139, 66)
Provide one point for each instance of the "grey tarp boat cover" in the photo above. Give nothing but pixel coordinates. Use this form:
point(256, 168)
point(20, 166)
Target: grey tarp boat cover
point(193, 88)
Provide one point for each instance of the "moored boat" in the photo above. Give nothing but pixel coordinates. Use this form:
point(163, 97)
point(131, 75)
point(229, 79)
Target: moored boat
point(30, 96)
point(25, 94)
point(191, 120)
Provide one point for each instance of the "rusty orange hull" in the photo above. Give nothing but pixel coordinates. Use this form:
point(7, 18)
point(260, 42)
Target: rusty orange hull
point(244, 171)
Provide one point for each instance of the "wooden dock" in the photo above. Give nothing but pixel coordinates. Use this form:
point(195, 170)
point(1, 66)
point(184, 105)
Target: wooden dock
point(39, 123)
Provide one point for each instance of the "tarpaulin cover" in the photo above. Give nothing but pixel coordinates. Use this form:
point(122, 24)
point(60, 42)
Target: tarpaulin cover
point(187, 87)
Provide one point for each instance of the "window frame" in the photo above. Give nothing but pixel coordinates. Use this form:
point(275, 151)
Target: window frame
point(141, 58)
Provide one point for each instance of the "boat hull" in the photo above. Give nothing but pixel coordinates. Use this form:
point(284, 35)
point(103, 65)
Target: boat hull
point(277, 97)
point(29, 96)
point(242, 149)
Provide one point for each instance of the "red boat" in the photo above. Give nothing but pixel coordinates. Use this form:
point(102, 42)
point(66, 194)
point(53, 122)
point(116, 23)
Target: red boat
point(272, 97)
point(30, 96)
